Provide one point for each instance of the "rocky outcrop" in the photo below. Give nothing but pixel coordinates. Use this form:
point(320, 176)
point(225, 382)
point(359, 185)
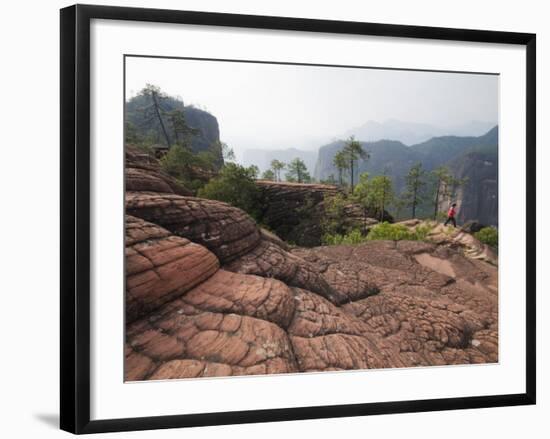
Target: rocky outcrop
point(208, 293)
point(428, 308)
point(457, 238)
point(143, 173)
point(206, 131)
point(296, 211)
point(230, 234)
point(154, 262)
point(225, 230)
point(478, 197)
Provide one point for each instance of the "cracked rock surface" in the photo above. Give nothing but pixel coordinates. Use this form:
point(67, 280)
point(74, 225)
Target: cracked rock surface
point(209, 293)
point(143, 173)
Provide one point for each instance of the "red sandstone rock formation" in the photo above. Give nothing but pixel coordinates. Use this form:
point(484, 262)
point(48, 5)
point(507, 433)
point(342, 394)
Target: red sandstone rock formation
point(143, 173)
point(210, 294)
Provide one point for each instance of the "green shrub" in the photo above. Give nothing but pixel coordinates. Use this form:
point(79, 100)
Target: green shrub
point(398, 232)
point(352, 238)
point(186, 166)
point(381, 231)
point(421, 232)
point(235, 185)
point(488, 235)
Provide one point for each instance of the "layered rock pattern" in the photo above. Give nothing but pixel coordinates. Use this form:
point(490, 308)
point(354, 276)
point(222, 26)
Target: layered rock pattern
point(208, 293)
point(154, 263)
point(143, 173)
point(225, 230)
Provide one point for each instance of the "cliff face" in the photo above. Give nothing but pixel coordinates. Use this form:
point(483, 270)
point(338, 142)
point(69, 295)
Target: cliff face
point(478, 198)
point(465, 156)
point(296, 211)
point(206, 139)
point(207, 124)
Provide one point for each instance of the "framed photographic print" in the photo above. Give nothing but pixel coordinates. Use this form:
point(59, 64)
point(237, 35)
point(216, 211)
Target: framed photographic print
point(272, 218)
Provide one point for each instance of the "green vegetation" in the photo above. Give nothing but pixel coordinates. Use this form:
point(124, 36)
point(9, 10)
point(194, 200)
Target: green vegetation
point(155, 122)
point(488, 235)
point(415, 182)
point(374, 195)
point(352, 238)
point(341, 164)
point(268, 175)
point(381, 231)
point(235, 185)
point(353, 151)
point(398, 232)
point(187, 167)
point(445, 186)
point(277, 166)
point(297, 172)
point(333, 222)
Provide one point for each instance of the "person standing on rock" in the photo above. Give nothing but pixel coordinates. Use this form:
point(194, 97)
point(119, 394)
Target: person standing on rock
point(451, 213)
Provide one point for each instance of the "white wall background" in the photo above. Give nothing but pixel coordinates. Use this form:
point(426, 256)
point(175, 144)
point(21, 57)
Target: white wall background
point(29, 206)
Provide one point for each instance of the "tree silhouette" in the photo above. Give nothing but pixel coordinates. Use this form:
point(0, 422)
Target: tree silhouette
point(341, 164)
point(353, 151)
point(415, 182)
point(277, 166)
point(156, 109)
point(297, 171)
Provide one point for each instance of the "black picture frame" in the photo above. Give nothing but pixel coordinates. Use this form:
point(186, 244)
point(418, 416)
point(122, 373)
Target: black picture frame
point(75, 217)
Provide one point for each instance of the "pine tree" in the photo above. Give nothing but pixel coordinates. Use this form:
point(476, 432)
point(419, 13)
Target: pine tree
point(353, 151)
point(381, 189)
point(154, 92)
point(341, 164)
point(297, 171)
point(277, 166)
point(268, 175)
point(415, 182)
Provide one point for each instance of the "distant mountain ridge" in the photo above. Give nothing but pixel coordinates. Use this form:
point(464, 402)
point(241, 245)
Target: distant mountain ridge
point(405, 133)
point(472, 157)
point(410, 133)
point(262, 158)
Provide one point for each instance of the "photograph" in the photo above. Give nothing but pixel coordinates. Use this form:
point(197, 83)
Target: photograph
point(289, 218)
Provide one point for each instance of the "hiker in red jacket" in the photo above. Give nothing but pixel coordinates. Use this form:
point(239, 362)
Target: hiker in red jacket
point(451, 215)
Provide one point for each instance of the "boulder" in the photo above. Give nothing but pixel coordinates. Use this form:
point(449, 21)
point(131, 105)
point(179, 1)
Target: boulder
point(225, 230)
point(472, 227)
point(160, 266)
point(143, 173)
point(296, 211)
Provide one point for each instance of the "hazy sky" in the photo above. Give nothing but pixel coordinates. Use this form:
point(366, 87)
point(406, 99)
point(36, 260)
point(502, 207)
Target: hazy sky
point(280, 106)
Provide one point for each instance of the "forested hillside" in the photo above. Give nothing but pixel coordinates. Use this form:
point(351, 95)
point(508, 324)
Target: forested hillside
point(153, 117)
point(471, 161)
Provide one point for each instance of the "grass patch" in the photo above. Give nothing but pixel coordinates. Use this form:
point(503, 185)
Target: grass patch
point(352, 238)
point(398, 232)
point(382, 231)
point(488, 235)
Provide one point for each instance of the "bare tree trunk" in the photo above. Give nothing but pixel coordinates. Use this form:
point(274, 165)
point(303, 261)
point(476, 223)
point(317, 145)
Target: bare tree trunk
point(351, 174)
point(156, 105)
point(414, 203)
